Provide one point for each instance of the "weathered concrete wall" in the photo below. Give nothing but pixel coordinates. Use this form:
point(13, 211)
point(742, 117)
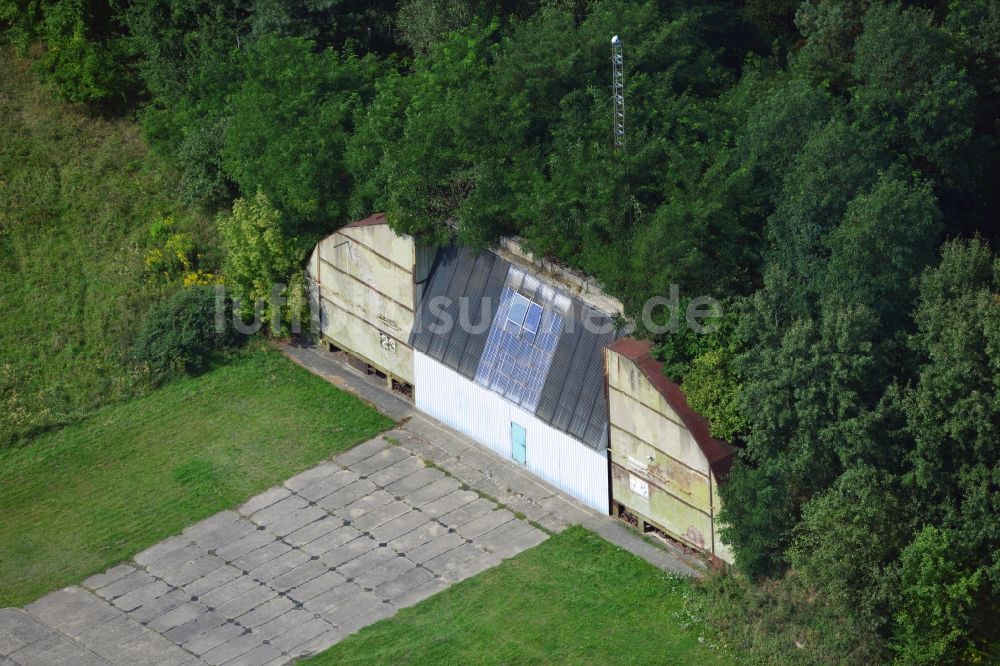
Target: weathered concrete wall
point(658, 471)
point(661, 507)
point(362, 277)
point(668, 472)
point(722, 549)
point(657, 428)
point(641, 411)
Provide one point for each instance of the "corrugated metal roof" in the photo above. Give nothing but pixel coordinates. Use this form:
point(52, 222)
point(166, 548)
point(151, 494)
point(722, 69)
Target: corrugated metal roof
point(568, 393)
point(458, 273)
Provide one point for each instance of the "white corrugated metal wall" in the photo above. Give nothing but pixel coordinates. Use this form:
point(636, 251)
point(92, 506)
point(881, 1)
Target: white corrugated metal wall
point(486, 417)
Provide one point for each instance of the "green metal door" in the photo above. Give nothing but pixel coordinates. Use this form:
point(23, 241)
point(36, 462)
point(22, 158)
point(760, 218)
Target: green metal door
point(518, 443)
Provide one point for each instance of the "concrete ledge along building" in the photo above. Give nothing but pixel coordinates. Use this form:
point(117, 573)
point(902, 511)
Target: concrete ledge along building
point(524, 357)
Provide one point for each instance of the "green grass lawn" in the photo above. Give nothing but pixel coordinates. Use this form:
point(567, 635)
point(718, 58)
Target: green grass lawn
point(76, 501)
point(575, 599)
point(77, 197)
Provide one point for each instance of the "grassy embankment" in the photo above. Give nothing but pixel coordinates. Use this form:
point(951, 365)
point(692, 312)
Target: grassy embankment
point(78, 195)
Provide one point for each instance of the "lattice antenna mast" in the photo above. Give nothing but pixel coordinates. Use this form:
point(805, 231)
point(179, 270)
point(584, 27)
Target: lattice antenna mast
point(618, 92)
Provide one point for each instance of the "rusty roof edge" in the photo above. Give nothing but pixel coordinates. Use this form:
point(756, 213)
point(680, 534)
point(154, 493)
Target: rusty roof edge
point(718, 452)
point(371, 220)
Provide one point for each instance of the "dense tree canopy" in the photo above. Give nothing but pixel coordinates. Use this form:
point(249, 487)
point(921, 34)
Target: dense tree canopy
point(827, 169)
point(288, 123)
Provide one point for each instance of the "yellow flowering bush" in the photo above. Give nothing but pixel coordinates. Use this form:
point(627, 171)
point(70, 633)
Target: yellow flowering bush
point(201, 278)
point(174, 255)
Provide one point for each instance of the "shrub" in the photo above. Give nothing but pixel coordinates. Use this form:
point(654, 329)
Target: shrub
point(180, 334)
point(84, 55)
point(84, 70)
point(833, 551)
point(704, 363)
point(259, 258)
point(713, 390)
point(175, 256)
point(423, 22)
point(21, 20)
point(935, 621)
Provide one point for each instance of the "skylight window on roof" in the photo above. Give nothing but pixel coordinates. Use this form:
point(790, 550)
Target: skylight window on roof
point(533, 318)
point(518, 308)
point(522, 340)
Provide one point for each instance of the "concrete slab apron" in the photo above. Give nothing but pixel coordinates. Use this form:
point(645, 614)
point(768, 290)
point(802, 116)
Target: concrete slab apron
point(485, 472)
point(288, 574)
